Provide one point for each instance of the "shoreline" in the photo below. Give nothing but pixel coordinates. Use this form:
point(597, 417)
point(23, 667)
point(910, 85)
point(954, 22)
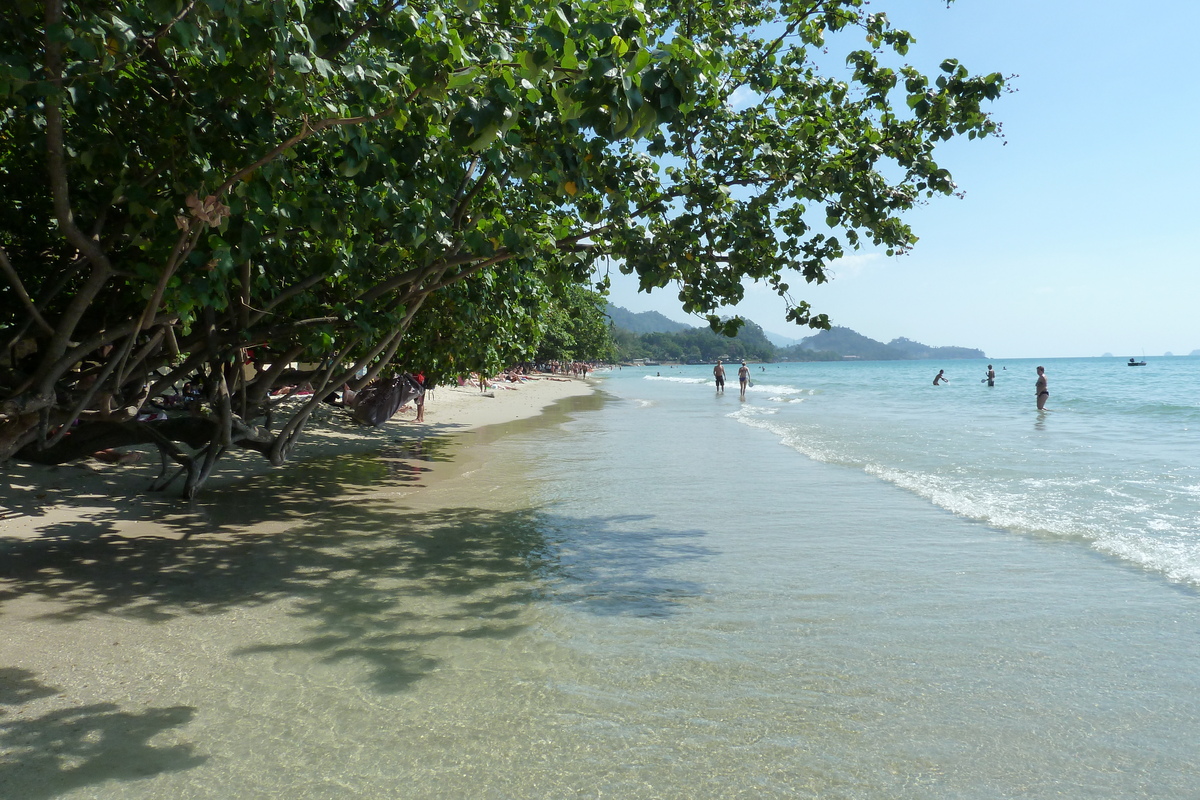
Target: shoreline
point(90, 499)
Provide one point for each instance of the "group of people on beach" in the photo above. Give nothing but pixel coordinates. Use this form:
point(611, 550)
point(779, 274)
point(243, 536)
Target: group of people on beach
point(743, 377)
point(1040, 388)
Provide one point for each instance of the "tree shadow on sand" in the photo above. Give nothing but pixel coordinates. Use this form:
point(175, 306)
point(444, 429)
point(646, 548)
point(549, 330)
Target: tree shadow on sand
point(372, 582)
point(118, 498)
point(64, 749)
point(369, 584)
point(355, 569)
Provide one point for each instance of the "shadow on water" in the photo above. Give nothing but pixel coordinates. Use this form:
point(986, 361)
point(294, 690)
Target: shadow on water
point(373, 587)
point(365, 580)
point(361, 580)
point(357, 570)
point(65, 749)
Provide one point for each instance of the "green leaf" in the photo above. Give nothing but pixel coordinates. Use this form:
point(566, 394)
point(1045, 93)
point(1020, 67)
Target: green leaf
point(300, 62)
point(568, 60)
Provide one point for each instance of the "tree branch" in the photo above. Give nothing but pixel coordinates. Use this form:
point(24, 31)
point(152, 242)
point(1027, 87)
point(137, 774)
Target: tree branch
point(306, 130)
point(18, 287)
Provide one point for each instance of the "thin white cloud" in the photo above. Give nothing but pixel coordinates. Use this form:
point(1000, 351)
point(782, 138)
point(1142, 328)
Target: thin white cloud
point(742, 97)
point(853, 265)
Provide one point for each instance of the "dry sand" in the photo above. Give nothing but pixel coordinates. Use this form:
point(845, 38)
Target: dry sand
point(92, 498)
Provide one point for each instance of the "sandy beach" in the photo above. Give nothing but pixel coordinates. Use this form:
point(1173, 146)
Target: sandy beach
point(645, 592)
point(39, 501)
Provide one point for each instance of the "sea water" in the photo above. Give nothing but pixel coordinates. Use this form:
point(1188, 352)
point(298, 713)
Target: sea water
point(852, 584)
point(1114, 461)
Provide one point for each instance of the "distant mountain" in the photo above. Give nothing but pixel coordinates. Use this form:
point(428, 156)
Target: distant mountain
point(644, 322)
point(850, 343)
point(826, 345)
point(780, 340)
point(846, 342)
point(916, 350)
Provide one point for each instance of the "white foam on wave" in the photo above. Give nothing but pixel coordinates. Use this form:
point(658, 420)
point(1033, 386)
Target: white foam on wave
point(753, 411)
point(640, 403)
point(675, 379)
point(1178, 559)
point(791, 436)
point(779, 399)
point(1160, 542)
point(1110, 520)
point(776, 388)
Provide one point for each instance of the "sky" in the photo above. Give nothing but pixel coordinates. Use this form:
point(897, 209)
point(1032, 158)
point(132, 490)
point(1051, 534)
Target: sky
point(1077, 232)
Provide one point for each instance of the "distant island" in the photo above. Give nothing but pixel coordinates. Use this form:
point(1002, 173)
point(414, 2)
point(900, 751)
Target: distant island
point(651, 336)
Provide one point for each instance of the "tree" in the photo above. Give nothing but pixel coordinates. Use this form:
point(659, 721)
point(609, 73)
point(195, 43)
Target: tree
point(577, 329)
point(329, 187)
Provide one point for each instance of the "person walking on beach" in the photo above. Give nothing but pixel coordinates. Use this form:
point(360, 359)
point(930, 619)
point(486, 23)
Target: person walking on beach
point(744, 378)
point(991, 376)
point(940, 378)
point(719, 374)
point(1043, 393)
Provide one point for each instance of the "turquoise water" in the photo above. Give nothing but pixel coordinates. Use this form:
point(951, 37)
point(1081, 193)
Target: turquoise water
point(1114, 462)
point(851, 585)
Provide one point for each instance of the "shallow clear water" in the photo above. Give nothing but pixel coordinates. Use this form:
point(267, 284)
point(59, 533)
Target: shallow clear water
point(661, 596)
point(1115, 460)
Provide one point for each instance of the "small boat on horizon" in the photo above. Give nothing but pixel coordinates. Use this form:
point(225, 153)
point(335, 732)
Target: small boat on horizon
point(1135, 363)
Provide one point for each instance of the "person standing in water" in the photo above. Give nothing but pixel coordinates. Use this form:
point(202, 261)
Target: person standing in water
point(744, 378)
point(719, 374)
point(991, 376)
point(1043, 393)
point(940, 377)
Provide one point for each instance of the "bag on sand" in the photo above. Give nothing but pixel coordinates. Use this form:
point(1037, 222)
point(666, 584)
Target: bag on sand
point(380, 399)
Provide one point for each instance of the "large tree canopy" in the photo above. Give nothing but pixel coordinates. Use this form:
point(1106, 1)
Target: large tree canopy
point(188, 185)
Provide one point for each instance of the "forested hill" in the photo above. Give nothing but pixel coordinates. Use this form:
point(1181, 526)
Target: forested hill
point(659, 338)
point(846, 342)
point(644, 322)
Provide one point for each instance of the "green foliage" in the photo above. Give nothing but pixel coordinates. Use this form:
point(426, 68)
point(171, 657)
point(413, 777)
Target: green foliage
point(695, 345)
point(577, 329)
point(645, 322)
point(346, 183)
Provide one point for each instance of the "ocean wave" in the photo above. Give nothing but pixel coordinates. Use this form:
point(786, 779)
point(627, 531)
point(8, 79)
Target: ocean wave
point(676, 379)
point(1132, 531)
point(776, 388)
point(754, 411)
point(792, 436)
point(1178, 560)
point(1134, 521)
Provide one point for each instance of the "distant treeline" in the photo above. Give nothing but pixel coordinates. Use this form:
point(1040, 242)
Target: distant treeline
point(694, 345)
point(702, 345)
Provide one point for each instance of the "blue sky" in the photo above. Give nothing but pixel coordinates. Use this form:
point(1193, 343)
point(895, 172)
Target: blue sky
point(1075, 238)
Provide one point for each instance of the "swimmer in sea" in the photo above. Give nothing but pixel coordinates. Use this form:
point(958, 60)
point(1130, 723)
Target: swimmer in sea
point(940, 377)
point(991, 376)
point(719, 374)
point(744, 378)
point(1043, 393)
